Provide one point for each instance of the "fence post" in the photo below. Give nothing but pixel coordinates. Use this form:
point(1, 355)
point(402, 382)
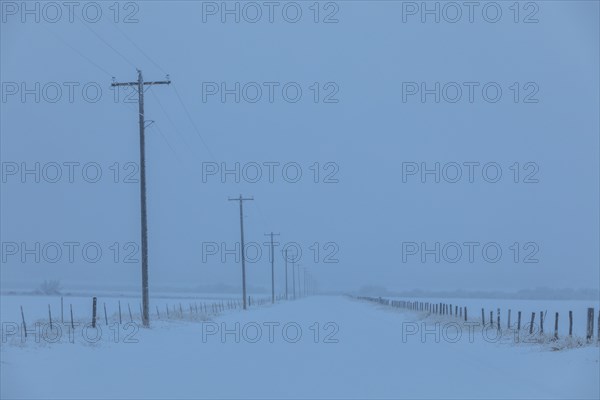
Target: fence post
point(541, 323)
point(508, 323)
point(23, 319)
point(120, 320)
point(491, 318)
point(590, 324)
point(556, 326)
point(465, 313)
point(570, 323)
point(482, 317)
point(498, 319)
point(93, 312)
point(71, 308)
point(105, 316)
point(531, 325)
point(519, 321)
point(157, 313)
point(50, 316)
point(130, 315)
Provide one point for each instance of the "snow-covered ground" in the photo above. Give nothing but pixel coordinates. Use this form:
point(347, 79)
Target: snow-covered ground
point(316, 347)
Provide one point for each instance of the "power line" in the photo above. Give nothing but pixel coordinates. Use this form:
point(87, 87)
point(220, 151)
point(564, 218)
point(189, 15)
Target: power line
point(78, 52)
point(139, 48)
point(106, 43)
point(193, 124)
point(170, 119)
point(157, 128)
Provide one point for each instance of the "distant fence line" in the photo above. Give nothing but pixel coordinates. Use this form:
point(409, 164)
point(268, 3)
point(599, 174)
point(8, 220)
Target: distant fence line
point(461, 313)
point(190, 311)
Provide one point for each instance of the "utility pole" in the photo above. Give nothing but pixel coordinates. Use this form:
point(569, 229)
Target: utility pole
point(301, 282)
point(140, 84)
point(272, 266)
point(294, 277)
point(286, 275)
point(299, 293)
point(241, 200)
point(304, 276)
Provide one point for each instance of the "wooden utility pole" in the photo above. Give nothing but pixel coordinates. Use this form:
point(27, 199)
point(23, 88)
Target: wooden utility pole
point(272, 266)
point(286, 275)
point(241, 200)
point(294, 277)
point(140, 84)
point(304, 276)
point(299, 293)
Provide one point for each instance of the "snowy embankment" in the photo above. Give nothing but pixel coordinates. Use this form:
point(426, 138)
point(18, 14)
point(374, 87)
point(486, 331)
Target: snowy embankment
point(317, 347)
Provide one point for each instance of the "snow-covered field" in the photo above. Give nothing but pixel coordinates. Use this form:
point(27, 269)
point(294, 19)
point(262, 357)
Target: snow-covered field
point(316, 347)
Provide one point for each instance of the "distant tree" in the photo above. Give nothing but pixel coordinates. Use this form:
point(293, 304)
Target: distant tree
point(50, 287)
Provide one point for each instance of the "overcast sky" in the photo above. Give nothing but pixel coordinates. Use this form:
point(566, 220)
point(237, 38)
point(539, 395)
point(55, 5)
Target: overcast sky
point(360, 133)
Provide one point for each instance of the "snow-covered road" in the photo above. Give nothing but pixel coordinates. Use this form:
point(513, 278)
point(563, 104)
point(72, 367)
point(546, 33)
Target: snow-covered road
point(347, 349)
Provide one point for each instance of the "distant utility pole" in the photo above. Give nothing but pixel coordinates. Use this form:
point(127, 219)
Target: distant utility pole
point(302, 282)
point(299, 292)
point(272, 266)
point(294, 277)
point(241, 200)
point(304, 276)
point(286, 275)
point(139, 85)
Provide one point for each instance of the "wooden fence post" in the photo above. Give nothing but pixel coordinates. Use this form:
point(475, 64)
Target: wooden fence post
point(120, 319)
point(498, 319)
point(93, 312)
point(491, 318)
point(531, 325)
point(50, 316)
point(508, 323)
point(157, 313)
point(570, 323)
point(590, 324)
point(105, 315)
point(465, 313)
point(23, 319)
point(541, 323)
point(482, 317)
point(519, 321)
point(71, 309)
point(556, 326)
